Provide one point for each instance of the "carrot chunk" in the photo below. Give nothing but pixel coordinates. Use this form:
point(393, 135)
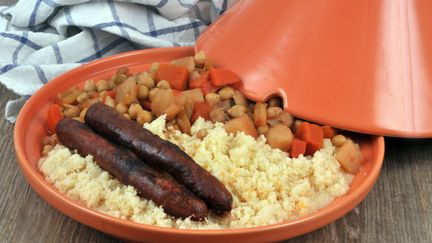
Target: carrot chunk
point(328, 131)
point(220, 77)
point(203, 83)
point(297, 147)
point(54, 116)
point(176, 76)
point(313, 136)
point(201, 109)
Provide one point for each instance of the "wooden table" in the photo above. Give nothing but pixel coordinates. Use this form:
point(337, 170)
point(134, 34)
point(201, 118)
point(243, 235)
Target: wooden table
point(398, 209)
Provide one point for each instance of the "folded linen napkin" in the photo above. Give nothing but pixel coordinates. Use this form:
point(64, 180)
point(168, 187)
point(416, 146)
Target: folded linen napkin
point(40, 39)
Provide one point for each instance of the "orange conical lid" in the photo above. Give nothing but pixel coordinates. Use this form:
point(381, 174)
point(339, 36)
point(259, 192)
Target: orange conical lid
point(363, 65)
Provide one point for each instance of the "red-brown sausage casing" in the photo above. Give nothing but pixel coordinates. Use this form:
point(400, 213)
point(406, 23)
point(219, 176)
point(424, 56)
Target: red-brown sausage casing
point(160, 153)
point(174, 198)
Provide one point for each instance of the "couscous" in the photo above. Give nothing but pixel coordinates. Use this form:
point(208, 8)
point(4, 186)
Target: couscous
point(267, 186)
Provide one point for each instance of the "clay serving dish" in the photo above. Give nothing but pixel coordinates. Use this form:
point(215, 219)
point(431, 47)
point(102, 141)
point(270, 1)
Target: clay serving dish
point(363, 66)
point(30, 128)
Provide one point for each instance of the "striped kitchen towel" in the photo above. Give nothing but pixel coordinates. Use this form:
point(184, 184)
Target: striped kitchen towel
point(40, 39)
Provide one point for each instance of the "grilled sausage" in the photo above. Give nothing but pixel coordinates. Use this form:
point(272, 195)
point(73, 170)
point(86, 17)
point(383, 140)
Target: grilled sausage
point(160, 153)
point(174, 198)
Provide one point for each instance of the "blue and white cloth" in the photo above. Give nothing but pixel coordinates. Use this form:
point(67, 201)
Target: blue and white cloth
point(40, 39)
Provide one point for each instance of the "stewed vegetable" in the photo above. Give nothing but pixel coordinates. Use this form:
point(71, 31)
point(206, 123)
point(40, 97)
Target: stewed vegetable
point(189, 88)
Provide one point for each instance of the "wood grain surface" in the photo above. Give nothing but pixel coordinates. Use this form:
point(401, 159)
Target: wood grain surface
point(398, 209)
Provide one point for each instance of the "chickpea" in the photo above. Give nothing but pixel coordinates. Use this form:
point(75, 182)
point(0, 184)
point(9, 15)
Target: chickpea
point(123, 70)
point(273, 112)
point(275, 101)
point(237, 110)
point(71, 111)
point(93, 93)
point(227, 104)
point(119, 78)
point(111, 84)
point(144, 116)
point(145, 79)
point(109, 101)
point(69, 96)
point(101, 95)
point(133, 110)
point(240, 99)
point(88, 103)
point(102, 85)
point(217, 115)
point(200, 57)
point(263, 129)
point(212, 98)
point(46, 149)
point(153, 93)
point(339, 140)
point(226, 93)
point(163, 84)
point(83, 97)
point(201, 133)
point(82, 114)
point(143, 92)
point(89, 86)
point(121, 108)
point(285, 118)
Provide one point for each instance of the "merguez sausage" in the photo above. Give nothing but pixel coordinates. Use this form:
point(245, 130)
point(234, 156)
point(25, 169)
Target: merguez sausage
point(160, 153)
point(175, 199)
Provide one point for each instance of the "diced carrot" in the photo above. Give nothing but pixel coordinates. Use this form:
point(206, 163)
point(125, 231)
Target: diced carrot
point(237, 86)
point(208, 87)
point(328, 131)
point(54, 116)
point(203, 83)
point(201, 109)
point(176, 76)
point(220, 77)
point(297, 147)
point(313, 136)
